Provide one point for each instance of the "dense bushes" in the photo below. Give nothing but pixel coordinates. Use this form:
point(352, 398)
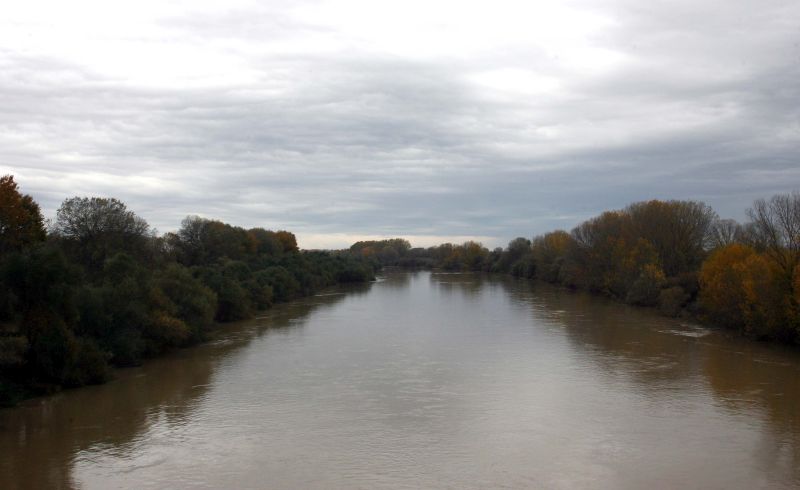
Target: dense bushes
point(101, 289)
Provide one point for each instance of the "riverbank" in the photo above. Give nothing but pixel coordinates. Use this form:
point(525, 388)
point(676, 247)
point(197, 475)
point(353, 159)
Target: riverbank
point(691, 312)
point(429, 380)
point(19, 387)
point(677, 256)
point(99, 288)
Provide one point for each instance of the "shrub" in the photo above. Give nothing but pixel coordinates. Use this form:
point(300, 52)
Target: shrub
point(646, 289)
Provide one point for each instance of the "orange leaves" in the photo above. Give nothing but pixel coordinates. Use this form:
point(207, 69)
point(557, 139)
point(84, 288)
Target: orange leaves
point(288, 241)
point(744, 289)
point(21, 221)
point(470, 255)
point(722, 284)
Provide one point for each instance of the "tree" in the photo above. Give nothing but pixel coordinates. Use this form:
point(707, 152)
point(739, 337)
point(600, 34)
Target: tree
point(646, 289)
point(43, 282)
point(96, 228)
point(679, 231)
point(776, 225)
point(191, 240)
point(597, 247)
point(266, 242)
point(724, 232)
point(741, 288)
point(386, 252)
point(21, 222)
point(288, 241)
point(517, 250)
point(201, 241)
point(185, 297)
point(41, 279)
point(548, 253)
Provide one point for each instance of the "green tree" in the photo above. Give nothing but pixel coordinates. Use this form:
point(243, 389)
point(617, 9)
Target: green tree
point(678, 230)
point(93, 229)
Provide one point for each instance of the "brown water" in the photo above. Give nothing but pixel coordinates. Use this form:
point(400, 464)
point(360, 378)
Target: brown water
point(429, 381)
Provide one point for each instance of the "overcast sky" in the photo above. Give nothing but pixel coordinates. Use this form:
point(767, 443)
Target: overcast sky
point(433, 120)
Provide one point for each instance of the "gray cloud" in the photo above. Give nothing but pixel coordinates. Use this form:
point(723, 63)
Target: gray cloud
point(318, 130)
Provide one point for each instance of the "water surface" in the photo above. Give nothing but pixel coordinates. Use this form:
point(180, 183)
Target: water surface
point(427, 380)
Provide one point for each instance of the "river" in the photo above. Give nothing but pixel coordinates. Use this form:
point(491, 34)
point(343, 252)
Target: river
point(429, 380)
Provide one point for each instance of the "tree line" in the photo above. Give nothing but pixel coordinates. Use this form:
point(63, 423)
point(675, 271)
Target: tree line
point(99, 288)
point(677, 256)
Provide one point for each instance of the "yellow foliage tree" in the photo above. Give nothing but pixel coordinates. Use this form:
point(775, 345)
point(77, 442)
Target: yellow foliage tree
point(548, 253)
point(722, 284)
point(744, 289)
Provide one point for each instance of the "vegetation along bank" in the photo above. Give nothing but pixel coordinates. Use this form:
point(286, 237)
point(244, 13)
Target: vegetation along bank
point(677, 256)
point(100, 288)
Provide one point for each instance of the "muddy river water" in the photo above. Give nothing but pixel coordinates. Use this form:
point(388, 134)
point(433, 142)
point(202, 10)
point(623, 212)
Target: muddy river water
point(429, 380)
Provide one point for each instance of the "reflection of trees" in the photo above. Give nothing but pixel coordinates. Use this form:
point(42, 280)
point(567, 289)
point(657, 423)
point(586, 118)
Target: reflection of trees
point(661, 355)
point(768, 377)
point(467, 284)
point(620, 338)
point(745, 377)
point(40, 441)
point(38, 444)
point(393, 278)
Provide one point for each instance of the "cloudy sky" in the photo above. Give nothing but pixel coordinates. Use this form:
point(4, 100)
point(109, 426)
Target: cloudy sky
point(434, 120)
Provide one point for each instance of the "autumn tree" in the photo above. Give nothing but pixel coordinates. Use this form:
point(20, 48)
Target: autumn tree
point(21, 222)
point(599, 246)
point(646, 289)
point(385, 252)
point(288, 241)
point(266, 242)
point(549, 251)
point(474, 255)
point(742, 289)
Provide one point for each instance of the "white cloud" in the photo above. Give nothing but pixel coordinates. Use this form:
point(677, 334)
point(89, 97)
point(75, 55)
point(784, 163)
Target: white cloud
point(438, 119)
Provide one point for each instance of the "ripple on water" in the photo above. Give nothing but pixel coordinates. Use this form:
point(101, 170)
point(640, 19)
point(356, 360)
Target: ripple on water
point(484, 383)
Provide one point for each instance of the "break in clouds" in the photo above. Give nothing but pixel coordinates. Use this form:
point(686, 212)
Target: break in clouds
point(430, 120)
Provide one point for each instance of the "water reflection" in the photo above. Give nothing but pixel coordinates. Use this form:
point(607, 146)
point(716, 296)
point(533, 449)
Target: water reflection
point(430, 381)
point(758, 382)
point(397, 279)
point(42, 440)
point(469, 286)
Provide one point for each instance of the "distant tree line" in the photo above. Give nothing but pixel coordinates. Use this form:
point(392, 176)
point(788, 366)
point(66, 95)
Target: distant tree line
point(678, 256)
point(100, 288)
